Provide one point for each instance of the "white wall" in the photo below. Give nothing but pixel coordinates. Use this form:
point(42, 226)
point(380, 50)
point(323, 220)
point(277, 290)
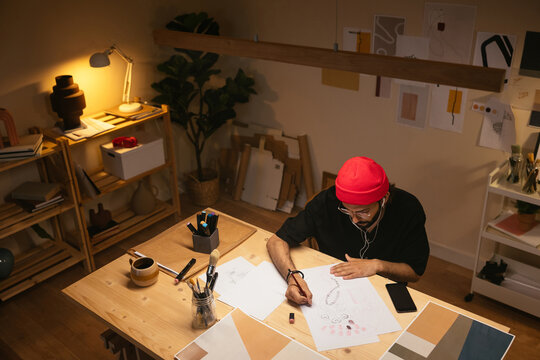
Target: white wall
point(446, 171)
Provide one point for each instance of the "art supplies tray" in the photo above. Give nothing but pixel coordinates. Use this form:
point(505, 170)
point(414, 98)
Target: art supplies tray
point(174, 247)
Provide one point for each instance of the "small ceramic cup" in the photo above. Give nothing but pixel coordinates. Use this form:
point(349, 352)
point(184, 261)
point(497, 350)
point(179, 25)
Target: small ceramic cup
point(144, 271)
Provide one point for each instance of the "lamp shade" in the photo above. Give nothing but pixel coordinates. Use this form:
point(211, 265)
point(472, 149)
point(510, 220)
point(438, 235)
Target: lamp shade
point(100, 59)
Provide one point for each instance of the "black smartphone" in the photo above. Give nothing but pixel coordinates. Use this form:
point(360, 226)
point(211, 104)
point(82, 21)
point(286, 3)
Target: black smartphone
point(401, 298)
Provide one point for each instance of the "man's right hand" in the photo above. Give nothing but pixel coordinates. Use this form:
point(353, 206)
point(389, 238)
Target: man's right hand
point(294, 295)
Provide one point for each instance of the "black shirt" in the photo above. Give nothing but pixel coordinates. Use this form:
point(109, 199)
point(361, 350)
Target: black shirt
point(400, 237)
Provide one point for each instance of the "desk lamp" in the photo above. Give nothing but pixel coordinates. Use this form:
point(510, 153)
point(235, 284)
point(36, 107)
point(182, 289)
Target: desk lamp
point(101, 59)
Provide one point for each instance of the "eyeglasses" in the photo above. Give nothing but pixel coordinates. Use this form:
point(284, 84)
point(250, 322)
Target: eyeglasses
point(363, 214)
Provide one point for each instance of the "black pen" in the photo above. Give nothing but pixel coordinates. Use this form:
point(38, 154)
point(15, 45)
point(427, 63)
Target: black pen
point(213, 281)
point(184, 271)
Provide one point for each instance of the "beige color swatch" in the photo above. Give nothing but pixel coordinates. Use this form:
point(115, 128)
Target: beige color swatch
point(260, 341)
point(433, 323)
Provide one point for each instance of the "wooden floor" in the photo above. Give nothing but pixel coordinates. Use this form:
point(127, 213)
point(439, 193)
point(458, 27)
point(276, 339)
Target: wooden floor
point(42, 323)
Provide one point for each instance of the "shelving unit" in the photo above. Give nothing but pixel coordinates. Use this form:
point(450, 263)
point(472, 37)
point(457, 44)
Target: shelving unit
point(129, 223)
point(52, 256)
point(521, 286)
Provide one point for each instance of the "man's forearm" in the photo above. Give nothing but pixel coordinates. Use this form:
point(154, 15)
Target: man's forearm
point(399, 272)
point(280, 255)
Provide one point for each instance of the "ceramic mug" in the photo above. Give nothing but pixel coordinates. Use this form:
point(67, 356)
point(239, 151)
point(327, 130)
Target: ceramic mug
point(144, 271)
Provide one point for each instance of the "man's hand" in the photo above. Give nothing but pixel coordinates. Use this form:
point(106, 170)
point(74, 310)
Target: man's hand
point(294, 295)
point(356, 268)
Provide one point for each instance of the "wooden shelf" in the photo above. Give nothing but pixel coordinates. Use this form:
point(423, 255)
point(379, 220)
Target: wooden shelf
point(108, 183)
point(14, 218)
point(38, 264)
point(128, 224)
point(119, 123)
point(49, 148)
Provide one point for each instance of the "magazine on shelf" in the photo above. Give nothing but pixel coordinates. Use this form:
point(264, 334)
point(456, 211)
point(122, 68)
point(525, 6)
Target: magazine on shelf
point(509, 224)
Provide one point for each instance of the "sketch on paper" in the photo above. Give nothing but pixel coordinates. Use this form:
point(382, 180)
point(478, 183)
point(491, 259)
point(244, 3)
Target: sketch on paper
point(385, 32)
point(450, 29)
point(344, 312)
point(230, 273)
point(498, 127)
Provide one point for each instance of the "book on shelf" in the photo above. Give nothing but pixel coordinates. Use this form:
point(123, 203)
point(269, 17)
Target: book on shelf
point(89, 127)
point(33, 205)
point(23, 152)
point(509, 224)
point(37, 191)
point(27, 144)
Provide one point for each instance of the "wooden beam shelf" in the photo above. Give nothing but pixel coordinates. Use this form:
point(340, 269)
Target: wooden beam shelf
point(435, 72)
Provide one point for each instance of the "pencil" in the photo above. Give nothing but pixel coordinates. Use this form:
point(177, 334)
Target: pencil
point(298, 284)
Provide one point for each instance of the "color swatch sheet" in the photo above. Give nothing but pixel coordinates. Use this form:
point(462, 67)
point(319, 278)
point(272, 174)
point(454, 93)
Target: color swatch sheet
point(345, 312)
point(440, 333)
point(238, 336)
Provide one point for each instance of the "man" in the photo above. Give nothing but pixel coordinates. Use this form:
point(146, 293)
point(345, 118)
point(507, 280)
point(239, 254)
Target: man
point(375, 228)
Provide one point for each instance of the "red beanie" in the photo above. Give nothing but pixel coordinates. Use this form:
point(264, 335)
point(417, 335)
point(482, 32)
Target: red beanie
point(361, 181)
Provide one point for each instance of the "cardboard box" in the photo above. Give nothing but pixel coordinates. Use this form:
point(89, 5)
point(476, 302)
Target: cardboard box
point(126, 163)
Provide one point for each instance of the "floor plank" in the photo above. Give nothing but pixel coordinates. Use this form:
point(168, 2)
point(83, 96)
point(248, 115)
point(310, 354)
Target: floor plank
point(42, 323)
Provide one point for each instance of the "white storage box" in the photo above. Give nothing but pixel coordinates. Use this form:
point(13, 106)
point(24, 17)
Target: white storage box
point(126, 163)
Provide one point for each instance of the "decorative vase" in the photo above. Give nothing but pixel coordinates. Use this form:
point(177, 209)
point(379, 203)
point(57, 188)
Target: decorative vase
point(144, 198)
point(68, 101)
point(204, 193)
point(7, 260)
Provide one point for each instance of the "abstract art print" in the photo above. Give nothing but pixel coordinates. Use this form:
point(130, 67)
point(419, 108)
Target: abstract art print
point(440, 333)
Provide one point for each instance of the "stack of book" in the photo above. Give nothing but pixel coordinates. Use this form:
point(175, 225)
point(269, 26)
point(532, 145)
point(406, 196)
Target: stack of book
point(29, 146)
point(33, 196)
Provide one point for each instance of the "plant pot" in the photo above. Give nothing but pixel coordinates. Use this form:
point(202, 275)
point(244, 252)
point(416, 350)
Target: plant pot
point(204, 193)
point(526, 221)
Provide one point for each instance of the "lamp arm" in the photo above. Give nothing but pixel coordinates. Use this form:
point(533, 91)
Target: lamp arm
point(117, 50)
point(127, 84)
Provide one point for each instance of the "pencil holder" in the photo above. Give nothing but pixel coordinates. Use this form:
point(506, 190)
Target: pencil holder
point(205, 244)
point(203, 311)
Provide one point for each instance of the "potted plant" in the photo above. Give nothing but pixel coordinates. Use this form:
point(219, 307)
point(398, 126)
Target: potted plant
point(526, 214)
point(198, 107)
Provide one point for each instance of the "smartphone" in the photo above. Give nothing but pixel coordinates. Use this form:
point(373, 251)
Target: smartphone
point(401, 298)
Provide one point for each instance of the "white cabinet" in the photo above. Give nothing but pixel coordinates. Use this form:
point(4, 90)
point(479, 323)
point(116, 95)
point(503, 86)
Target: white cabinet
point(521, 285)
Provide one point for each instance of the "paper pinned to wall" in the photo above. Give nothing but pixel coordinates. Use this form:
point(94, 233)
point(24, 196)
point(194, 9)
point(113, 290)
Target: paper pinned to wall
point(386, 29)
point(498, 129)
point(450, 29)
point(413, 47)
point(413, 105)
point(447, 109)
point(495, 51)
point(345, 312)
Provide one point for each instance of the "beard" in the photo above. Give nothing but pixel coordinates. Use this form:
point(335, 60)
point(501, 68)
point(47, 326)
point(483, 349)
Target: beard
point(364, 225)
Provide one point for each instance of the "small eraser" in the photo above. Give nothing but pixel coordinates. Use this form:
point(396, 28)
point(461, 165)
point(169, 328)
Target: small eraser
point(291, 318)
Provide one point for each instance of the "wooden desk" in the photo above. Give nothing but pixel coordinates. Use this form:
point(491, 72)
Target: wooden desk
point(157, 319)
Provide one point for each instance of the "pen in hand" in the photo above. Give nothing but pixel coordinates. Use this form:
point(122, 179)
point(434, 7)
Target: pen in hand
point(297, 284)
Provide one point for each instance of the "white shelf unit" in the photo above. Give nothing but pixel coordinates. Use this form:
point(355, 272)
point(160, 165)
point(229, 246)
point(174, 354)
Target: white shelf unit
point(521, 286)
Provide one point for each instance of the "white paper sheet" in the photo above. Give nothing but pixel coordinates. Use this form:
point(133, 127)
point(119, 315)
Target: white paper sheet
point(230, 274)
point(499, 130)
point(345, 312)
point(258, 293)
point(441, 115)
point(495, 51)
point(450, 28)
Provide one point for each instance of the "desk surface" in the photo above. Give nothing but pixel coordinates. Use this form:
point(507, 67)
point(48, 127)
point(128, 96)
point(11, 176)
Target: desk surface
point(158, 318)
